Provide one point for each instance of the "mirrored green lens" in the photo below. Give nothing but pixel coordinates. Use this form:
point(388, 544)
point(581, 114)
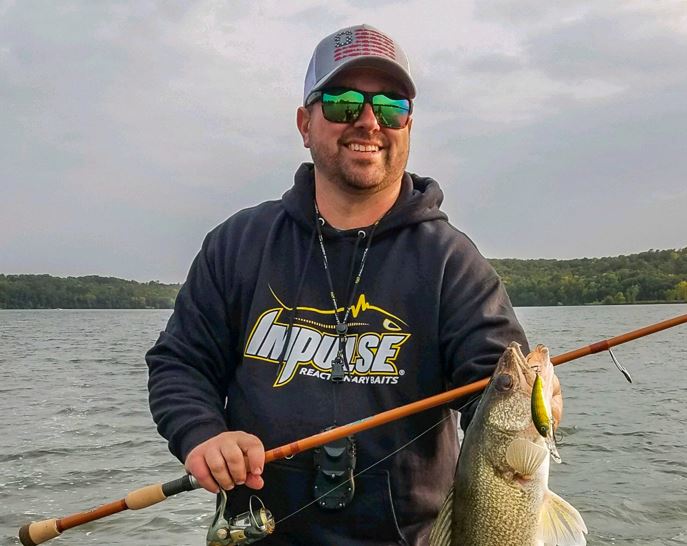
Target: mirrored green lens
point(391, 112)
point(344, 107)
point(341, 105)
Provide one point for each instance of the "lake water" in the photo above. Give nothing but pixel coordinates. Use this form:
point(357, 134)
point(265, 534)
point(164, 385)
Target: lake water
point(75, 430)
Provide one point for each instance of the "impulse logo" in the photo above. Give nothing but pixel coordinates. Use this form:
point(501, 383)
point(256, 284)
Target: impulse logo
point(371, 354)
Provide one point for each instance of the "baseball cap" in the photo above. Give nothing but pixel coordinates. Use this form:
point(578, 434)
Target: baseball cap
point(359, 45)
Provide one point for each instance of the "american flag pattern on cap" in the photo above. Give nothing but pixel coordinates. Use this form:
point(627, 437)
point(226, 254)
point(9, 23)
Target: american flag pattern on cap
point(360, 45)
point(362, 41)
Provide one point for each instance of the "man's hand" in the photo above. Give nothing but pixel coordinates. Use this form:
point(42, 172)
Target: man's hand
point(228, 459)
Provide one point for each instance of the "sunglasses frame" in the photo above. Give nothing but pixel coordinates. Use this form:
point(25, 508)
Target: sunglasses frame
point(367, 99)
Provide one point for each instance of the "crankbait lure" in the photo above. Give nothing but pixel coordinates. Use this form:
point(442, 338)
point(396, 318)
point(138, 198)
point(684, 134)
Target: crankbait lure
point(541, 415)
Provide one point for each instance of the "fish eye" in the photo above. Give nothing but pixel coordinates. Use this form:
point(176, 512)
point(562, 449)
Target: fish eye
point(503, 382)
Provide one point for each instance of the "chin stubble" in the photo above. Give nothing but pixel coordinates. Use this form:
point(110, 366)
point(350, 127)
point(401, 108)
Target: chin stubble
point(334, 169)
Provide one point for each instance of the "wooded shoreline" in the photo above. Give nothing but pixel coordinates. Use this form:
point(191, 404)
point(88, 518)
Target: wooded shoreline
point(655, 276)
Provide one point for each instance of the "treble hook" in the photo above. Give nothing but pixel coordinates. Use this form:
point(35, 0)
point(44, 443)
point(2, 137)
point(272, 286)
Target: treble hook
point(620, 367)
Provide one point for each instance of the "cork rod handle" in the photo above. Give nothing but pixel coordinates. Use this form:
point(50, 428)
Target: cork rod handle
point(38, 532)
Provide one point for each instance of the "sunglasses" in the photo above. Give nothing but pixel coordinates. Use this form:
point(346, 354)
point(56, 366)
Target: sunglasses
point(344, 105)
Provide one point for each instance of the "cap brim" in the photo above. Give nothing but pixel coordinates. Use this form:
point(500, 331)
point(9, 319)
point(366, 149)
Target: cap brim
point(370, 61)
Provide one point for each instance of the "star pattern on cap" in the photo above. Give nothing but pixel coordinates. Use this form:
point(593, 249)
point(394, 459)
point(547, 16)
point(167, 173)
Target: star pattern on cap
point(343, 38)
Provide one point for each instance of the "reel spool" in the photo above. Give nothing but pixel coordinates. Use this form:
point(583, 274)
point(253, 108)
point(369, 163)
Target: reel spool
point(245, 528)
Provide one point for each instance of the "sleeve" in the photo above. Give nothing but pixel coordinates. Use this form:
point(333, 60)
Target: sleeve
point(189, 365)
point(477, 324)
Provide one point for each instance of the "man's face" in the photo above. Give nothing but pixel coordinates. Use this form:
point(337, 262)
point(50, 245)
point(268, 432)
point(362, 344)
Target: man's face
point(341, 151)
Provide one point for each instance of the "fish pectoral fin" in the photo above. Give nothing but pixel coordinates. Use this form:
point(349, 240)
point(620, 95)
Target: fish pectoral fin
point(525, 457)
point(560, 523)
point(440, 535)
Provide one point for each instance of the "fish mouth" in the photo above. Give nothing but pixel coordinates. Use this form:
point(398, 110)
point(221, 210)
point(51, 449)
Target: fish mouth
point(538, 362)
point(520, 371)
point(513, 363)
point(512, 359)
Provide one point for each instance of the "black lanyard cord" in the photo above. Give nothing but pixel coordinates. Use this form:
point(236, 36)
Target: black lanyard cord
point(361, 234)
point(340, 364)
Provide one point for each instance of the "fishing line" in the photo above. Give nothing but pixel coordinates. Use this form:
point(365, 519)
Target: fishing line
point(435, 425)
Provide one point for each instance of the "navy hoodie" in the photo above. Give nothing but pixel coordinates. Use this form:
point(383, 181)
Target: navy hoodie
point(430, 314)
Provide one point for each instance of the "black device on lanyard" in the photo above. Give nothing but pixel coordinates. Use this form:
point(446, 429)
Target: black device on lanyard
point(334, 486)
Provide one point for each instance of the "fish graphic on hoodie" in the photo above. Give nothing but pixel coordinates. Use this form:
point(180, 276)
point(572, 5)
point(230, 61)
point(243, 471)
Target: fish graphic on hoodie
point(371, 349)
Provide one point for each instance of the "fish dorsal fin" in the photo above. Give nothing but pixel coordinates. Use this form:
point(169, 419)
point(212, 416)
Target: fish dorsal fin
point(440, 535)
point(525, 457)
point(560, 523)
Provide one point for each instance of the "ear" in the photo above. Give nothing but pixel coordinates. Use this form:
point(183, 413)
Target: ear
point(303, 123)
point(410, 124)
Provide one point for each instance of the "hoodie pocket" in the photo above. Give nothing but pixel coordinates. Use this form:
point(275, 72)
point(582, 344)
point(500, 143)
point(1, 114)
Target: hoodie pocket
point(370, 518)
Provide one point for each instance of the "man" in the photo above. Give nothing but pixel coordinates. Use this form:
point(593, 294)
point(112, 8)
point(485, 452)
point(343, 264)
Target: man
point(349, 296)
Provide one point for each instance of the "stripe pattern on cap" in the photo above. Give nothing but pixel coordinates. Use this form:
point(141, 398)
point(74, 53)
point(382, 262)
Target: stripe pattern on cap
point(362, 41)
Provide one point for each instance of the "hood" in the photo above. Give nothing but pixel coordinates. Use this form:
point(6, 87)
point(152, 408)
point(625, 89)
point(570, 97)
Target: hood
point(418, 202)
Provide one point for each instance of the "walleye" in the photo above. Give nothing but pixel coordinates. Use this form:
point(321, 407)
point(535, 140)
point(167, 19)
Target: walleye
point(500, 493)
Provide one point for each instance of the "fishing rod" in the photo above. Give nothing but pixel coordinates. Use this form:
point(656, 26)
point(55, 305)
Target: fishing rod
point(35, 533)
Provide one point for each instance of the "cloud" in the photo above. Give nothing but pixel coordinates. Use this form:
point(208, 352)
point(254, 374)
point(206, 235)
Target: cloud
point(130, 129)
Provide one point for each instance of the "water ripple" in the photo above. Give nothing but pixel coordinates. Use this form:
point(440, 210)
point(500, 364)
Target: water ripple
point(77, 432)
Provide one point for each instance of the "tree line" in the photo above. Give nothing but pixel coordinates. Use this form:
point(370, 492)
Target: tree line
point(653, 276)
point(647, 277)
point(91, 292)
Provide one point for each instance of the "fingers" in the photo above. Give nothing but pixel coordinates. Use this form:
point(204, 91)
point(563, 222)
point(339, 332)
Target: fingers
point(196, 466)
point(218, 468)
point(255, 453)
point(254, 460)
point(254, 481)
point(232, 457)
point(226, 460)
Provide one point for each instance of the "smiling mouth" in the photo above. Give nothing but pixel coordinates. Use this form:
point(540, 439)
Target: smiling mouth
point(355, 147)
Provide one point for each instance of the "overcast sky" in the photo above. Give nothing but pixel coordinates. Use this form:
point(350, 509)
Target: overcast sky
point(130, 129)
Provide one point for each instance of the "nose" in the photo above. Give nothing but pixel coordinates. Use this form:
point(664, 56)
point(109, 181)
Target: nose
point(367, 119)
